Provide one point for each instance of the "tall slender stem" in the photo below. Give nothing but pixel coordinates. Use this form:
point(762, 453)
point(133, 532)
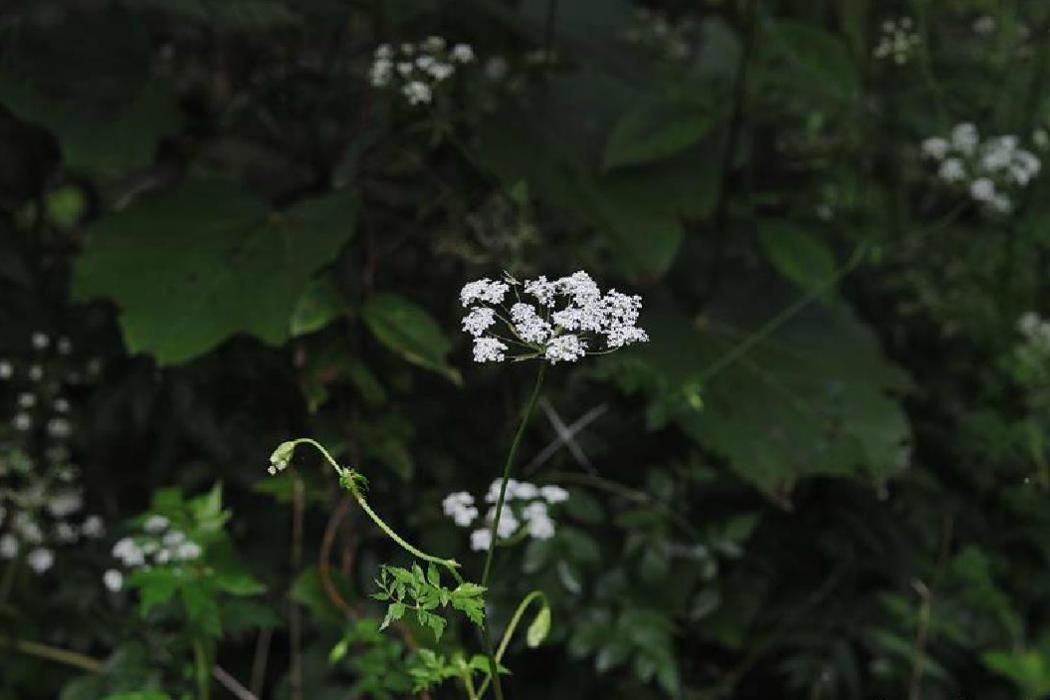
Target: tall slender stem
point(493, 665)
point(203, 671)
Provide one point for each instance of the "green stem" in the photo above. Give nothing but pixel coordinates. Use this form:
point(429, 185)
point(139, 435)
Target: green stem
point(493, 666)
point(200, 658)
point(355, 491)
point(514, 621)
point(62, 656)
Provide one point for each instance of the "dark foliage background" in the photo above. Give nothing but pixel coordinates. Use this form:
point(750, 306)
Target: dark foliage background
point(824, 477)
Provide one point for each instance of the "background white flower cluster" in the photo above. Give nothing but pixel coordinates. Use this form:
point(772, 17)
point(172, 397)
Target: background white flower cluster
point(41, 502)
point(652, 30)
point(418, 69)
point(557, 321)
point(990, 171)
point(898, 41)
point(525, 505)
point(158, 544)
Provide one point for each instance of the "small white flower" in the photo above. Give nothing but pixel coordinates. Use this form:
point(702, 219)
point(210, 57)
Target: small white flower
point(460, 507)
point(187, 551)
point(1001, 204)
point(541, 289)
point(65, 346)
point(93, 527)
point(521, 490)
point(26, 400)
point(416, 92)
point(434, 44)
point(35, 373)
point(965, 138)
point(489, 350)
point(405, 68)
point(129, 552)
point(541, 528)
point(22, 422)
point(384, 51)
point(163, 556)
point(984, 25)
point(528, 325)
point(480, 540)
point(935, 147)
point(382, 73)
point(554, 494)
point(59, 428)
point(952, 170)
point(565, 348)
point(60, 405)
point(8, 546)
point(40, 560)
point(441, 71)
point(982, 189)
point(462, 53)
point(1041, 139)
point(173, 538)
point(483, 290)
point(29, 530)
point(7, 370)
point(65, 503)
point(155, 524)
point(40, 341)
point(479, 320)
point(113, 580)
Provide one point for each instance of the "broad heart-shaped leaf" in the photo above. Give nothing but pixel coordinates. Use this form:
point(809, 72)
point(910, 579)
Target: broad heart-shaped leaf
point(191, 267)
point(812, 398)
point(655, 132)
point(407, 329)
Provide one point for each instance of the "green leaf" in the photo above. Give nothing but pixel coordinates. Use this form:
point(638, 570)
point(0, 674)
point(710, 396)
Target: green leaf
point(239, 584)
point(202, 609)
point(194, 266)
point(649, 134)
point(99, 98)
point(394, 611)
point(411, 332)
point(818, 62)
point(797, 255)
point(156, 587)
point(539, 628)
point(321, 303)
point(813, 397)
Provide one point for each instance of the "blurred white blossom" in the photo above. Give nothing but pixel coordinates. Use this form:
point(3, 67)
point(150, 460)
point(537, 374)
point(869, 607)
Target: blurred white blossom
point(526, 510)
point(898, 41)
point(417, 70)
point(991, 171)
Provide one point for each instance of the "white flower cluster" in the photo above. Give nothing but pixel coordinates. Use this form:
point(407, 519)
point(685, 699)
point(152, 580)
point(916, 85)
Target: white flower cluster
point(989, 170)
point(898, 41)
point(655, 32)
point(417, 69)
point(158, 544)
point(41, 502)
point(563, 322)
point(525, 505)
point(1036, 332)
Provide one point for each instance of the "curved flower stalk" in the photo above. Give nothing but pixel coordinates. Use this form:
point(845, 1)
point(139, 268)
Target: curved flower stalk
point(355, 482)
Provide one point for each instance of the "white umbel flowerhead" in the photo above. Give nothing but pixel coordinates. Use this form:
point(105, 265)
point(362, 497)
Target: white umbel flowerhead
point(555, 321)
point(417, 70)
point(526, 512)
point(989, 171)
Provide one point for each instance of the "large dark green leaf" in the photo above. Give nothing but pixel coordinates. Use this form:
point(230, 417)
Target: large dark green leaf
point(653, 133)
point(191, 267)
point(97, 97)
point(813, 398)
